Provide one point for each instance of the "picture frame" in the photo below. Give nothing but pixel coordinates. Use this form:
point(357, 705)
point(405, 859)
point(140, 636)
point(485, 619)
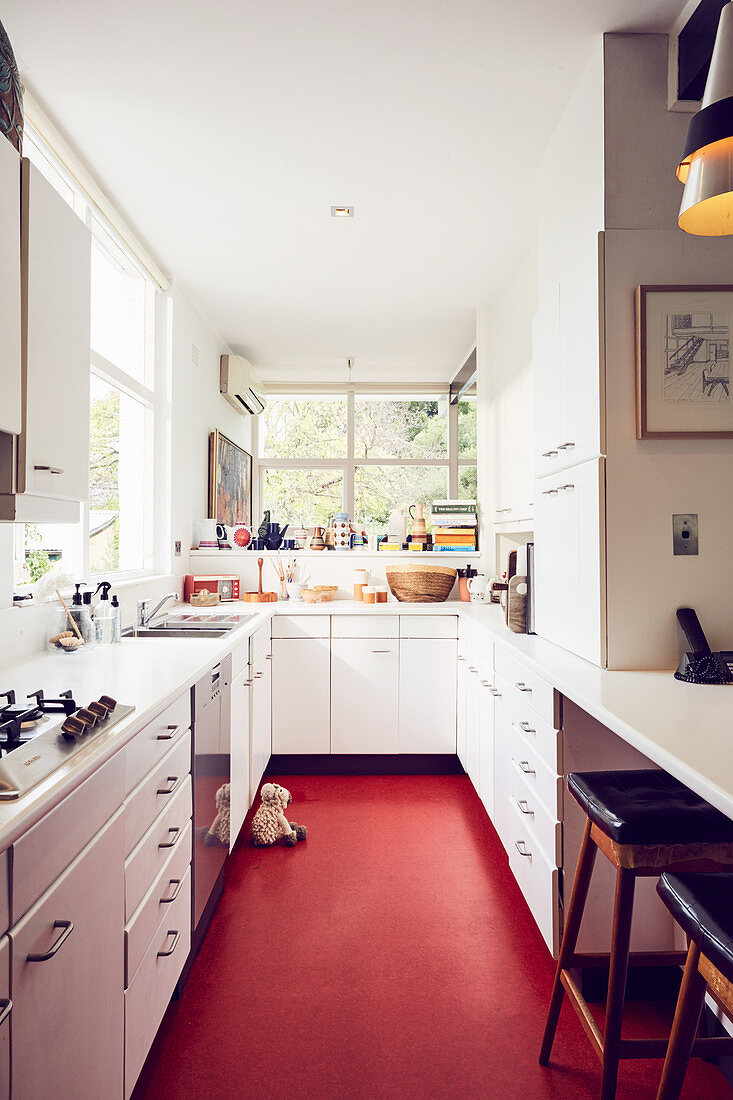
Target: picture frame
point(230, 481)
point(683, 382)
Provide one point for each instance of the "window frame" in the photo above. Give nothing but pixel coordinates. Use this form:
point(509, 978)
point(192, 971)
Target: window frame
point(348, 465)
point(156, 397)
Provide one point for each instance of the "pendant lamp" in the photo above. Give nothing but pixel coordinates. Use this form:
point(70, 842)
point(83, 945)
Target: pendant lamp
point(706, 167)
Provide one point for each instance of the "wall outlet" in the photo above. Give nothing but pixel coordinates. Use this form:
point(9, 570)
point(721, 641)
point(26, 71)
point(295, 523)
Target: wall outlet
point(177, 548)
point(684, 534)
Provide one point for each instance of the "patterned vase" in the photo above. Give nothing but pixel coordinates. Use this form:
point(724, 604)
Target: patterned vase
point(11, 94)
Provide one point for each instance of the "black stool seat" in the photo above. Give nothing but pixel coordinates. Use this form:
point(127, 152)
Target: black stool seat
point(648, 806)
point(702, 904)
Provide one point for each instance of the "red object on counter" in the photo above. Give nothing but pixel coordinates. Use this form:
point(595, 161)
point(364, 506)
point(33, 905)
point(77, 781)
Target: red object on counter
point(226, 584)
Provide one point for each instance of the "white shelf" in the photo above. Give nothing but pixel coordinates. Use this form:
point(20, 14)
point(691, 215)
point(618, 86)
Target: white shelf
point(341, 555)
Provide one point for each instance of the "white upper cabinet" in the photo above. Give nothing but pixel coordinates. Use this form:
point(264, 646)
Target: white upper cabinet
point(10, 373)
point(51, 465)
point(513, 449)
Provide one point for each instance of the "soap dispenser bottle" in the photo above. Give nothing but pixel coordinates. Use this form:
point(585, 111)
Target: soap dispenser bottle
point(104, 616)
point(117, 631)
point(80, 613)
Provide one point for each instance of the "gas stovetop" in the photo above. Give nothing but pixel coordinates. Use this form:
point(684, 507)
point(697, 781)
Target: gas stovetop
point(39, 735)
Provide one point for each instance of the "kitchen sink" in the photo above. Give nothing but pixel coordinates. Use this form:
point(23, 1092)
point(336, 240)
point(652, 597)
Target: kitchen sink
point(188, 626)
point(164, 631)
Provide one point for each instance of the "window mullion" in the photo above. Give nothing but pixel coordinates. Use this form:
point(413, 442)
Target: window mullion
point(453, 451)
point(350, 471)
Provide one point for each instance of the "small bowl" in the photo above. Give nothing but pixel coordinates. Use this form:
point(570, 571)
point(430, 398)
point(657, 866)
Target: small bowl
point(310, 595)
point(326, 587)
point(295, 589)
point(327, 596)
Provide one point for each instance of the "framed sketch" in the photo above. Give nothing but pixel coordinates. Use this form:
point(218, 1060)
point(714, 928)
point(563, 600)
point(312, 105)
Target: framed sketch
point(230, 481)
point(683, 383)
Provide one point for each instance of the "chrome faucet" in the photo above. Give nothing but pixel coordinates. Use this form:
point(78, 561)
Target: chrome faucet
point(144, 612)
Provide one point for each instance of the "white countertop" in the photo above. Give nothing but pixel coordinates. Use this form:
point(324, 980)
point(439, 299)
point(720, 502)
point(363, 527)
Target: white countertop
point(684, 728)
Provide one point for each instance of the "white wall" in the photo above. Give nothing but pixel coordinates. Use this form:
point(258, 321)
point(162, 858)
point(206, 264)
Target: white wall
point(649, 480)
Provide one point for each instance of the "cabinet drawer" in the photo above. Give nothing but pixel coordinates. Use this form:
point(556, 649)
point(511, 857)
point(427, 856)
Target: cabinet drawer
point(259, 643)
point(543, 781)
point(301, 626)
point(146, 860)
point(540, 736)
point(477, 639)
point(240, 657)
point(428, 626)
point(365, 626)
point(538, 881)
point(154, 740)
point(144, 804)
point(42, 853)
point(542, 829)
point(142, 925)
point(527, 684)
point(152, 987)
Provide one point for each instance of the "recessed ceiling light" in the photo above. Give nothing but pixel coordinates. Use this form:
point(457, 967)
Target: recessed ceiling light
point(342, 211)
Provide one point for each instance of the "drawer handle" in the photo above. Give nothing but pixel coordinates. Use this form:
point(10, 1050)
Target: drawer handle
point(566, 488)
point(169, 843)
point(565, 446)
point(524, 765)
point(6, 1007)
point(522, 848)
point(177, 882)
point(174, 780)
point(388, 651)
point(523, 807)
point(67, 927)
point(522, 725)
point(247, 683)
point(549, 454)
point(485, 684)
point(259, 675)
point(176, 937)
point(522, 686)
point(496, 694)
point(172, 731)
point(549, 492)
point(461, 658)
point(268, 656)
point(472, 669)
point(49, 469)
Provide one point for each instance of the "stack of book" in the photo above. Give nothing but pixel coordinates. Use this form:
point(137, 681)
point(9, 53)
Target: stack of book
point(454, 525)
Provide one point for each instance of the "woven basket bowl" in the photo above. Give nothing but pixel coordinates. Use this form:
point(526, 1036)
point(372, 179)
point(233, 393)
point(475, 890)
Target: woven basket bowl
point(417, 583)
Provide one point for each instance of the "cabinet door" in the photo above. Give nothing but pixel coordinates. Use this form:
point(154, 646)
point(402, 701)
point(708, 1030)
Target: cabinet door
point(239, 703)
point(301, 690)
point(547, 384)
point(6, 1009)
point(427, 698)
point(503, 819)
point(501, 486)
point(10, 366)
point(486, 738)
point(261, 721)
point(472, 719)
point(568, 579)
point(68, 979)
point(461, 707)
point(580, 434)
point(56, 255)
point(364, 695)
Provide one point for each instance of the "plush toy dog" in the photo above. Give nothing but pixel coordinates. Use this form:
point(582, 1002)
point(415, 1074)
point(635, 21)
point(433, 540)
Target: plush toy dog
point(219, 831)
point(269, 823)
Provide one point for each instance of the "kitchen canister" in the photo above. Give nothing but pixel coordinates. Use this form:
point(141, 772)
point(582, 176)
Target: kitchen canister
point(361, 578)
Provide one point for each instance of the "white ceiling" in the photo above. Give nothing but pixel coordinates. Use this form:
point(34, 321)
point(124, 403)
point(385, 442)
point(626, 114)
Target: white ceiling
point(225, 131)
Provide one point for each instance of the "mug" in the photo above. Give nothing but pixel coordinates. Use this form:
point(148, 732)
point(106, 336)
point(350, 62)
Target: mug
point(257, 544)
point(206, 534)
point(477, 588)
point(289, 544)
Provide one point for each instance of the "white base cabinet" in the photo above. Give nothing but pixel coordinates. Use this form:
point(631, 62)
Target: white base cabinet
point(301, 690)
point(239, 710)
point(261, 707)
point(364, 695)
point(68, 979)
point(427, 695)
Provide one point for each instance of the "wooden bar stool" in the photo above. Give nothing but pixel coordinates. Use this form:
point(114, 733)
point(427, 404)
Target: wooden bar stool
point(703, 906)
point(645, 822)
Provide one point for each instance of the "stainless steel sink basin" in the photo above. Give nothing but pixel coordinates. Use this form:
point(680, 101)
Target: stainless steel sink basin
point(188, 626)
point(172, 632)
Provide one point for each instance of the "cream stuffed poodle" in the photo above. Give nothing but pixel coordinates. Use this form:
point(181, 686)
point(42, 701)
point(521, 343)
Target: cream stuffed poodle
point(219, 831)
point(270, 824)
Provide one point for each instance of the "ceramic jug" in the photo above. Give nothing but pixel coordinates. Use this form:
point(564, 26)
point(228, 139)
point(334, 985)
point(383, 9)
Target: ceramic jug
point(419, 526)
point(317, 542)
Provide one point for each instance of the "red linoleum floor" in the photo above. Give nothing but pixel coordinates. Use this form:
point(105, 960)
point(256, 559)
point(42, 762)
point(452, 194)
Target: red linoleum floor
point(390, 955)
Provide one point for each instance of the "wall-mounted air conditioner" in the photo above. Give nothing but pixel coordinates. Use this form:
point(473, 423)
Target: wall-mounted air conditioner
point(236, 385)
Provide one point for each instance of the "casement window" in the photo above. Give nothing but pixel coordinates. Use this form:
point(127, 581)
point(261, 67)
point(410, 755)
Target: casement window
point(364, 453)
point(129, 413)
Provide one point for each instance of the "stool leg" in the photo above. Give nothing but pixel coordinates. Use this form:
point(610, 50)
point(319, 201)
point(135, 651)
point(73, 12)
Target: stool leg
point(684, 1027)
point(581, 882)
point(622, 914)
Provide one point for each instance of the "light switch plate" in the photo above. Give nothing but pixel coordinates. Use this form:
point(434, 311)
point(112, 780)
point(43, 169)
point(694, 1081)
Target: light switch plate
point(684, 534)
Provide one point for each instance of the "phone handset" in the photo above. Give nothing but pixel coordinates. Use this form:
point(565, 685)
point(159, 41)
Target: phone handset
point(699, 665)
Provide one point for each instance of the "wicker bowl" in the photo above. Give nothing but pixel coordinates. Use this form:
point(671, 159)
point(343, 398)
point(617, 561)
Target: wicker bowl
point(418, 583)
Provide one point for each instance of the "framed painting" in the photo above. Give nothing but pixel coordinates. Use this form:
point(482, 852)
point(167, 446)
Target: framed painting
point(230, 481)
point(683, 383)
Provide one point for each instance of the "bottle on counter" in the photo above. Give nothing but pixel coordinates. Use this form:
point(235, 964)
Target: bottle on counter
point(81, 614)
point(104, 616)
point(117, 630)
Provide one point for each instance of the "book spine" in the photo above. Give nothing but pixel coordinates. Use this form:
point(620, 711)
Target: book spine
point(455, 549)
